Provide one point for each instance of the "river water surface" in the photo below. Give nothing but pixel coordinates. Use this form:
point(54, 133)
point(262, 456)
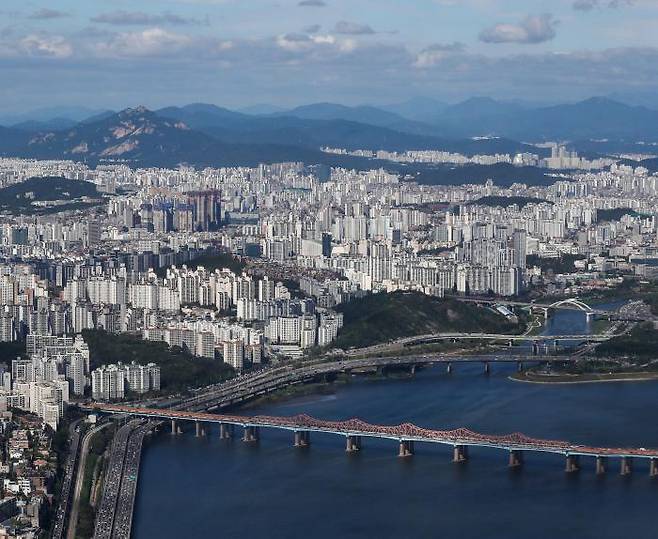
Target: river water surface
point(191, 487)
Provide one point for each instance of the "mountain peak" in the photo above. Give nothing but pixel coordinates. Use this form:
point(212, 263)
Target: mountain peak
point(600, 101)
point(139, 110)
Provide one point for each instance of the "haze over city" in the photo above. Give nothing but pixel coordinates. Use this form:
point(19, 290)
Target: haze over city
point(328, 268)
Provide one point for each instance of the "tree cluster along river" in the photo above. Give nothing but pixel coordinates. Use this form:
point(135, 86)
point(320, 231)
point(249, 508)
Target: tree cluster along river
point(204, 487)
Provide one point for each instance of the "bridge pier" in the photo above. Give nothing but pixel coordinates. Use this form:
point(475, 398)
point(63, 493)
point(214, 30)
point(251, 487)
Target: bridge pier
point(572, 464)
point(302, 438)
point(515, 458)
point(487, 368)
point(519, 366)
point(460, 453)
point(653, 468)
point(412, 370)
point(250, 435)
point(406, 449)
point(449, 368)
point(353, 444)
point(225, 431)
point(199, 429)
point(626, 466)
point(601, 465)
point(175, 427)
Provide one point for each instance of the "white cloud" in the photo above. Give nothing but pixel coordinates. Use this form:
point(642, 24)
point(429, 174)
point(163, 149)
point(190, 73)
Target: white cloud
point(45, 46)
point(532, 29)
point(147, 42)
point(434, 54)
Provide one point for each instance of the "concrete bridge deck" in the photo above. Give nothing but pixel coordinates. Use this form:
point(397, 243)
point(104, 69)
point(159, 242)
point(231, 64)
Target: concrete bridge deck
point(505, 337)
point(247, 387)
point(250, 386)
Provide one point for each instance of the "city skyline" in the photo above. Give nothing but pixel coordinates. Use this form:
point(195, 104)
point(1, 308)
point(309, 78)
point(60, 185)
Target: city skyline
point(292, 52)
point(266, 265)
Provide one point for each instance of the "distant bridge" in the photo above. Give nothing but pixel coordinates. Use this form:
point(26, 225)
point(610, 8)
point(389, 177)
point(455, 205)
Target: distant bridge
point(407, 434)
point(573, 304)
point(503, 337)
point(248, 387)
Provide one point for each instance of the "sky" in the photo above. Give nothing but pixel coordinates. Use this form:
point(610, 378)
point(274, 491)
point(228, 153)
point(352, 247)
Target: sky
point(237, 53)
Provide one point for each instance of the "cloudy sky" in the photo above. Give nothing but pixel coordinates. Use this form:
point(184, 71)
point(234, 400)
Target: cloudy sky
point(115, 53)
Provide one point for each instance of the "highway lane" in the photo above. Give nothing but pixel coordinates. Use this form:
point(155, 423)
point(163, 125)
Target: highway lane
point(69, 474)
point(80, 475)
point(125, 504)
point(111, 485)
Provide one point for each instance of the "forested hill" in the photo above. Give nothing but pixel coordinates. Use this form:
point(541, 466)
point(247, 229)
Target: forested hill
point(381, 318)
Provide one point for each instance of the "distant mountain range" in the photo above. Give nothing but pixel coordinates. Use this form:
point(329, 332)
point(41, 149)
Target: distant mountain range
point(140, 137)
point(594, 118)
point(335, 126)
point(208, 135)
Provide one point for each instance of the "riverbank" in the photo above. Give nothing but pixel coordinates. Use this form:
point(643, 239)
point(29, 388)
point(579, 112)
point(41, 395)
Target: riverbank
point(587, 378)
point(328, 387)
point(292, 392)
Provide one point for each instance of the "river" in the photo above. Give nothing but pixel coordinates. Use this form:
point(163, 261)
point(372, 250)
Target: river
point(190, 487)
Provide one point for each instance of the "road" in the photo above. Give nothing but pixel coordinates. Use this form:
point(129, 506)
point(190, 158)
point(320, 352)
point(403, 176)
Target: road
point(112, 482)
point(80, 476)
point(69, 474)
point(504, 337)
point(247, 387)
point(125, 504)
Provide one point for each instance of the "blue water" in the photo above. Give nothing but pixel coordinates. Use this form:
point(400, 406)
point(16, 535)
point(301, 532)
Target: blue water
point(191, 487)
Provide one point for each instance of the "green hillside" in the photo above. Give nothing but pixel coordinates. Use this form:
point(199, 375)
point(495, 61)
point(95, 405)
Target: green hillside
point(380, 318)
point(641, 343)
point(37, 196)
point(179, 370)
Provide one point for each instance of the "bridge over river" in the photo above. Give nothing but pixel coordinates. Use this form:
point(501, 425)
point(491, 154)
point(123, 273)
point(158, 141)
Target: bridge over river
point(633, 311)
point(406, 435)
point(117, 512)
point(269, 380)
